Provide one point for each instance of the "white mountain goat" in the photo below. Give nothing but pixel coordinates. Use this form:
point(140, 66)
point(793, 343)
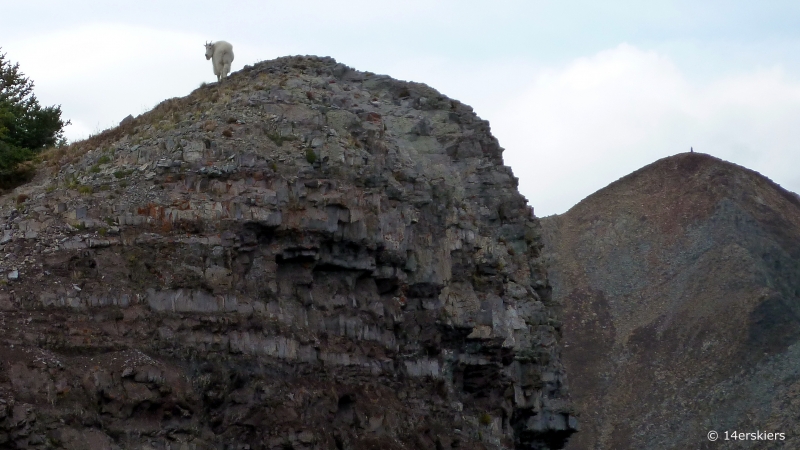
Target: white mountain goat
point(221, 55)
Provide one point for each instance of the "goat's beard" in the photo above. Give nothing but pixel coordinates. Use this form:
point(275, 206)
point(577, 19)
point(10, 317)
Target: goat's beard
point(207, 57)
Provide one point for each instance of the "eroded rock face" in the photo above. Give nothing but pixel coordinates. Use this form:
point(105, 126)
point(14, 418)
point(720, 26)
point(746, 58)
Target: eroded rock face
point(305, 257)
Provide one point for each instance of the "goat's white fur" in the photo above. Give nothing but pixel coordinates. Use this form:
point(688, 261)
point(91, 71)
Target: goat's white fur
point(221, 55)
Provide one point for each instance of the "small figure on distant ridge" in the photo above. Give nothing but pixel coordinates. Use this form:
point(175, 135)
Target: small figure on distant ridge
point(691, 149)
point(221, 55)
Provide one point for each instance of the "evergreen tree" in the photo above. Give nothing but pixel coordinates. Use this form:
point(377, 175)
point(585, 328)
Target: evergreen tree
point(26, 128)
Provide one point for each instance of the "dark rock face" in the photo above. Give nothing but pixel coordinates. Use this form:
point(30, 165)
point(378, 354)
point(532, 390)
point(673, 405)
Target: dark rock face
point(681, 286)
point(304, 257)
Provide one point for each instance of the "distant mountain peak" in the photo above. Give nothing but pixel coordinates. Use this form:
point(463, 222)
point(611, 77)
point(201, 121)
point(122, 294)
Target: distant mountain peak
point(681, 292)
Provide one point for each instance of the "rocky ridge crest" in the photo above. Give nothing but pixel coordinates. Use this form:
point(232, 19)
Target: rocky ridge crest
point(306, 256)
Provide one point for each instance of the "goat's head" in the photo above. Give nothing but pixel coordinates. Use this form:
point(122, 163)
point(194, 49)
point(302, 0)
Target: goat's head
point(209, 50)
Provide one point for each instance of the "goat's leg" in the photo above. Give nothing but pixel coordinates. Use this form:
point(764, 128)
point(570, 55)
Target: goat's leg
point(226, 69)
point(218, 71)
point(216, 67)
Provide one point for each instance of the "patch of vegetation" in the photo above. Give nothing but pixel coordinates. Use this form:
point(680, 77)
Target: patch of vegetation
point(94, 169)
point(279, 140)
point(485, 419)
point(123, 173)
point(83, 189)
point(165, 125)
point(53, 156)
point(11, 160)
point(72, 182)
point(311, 156)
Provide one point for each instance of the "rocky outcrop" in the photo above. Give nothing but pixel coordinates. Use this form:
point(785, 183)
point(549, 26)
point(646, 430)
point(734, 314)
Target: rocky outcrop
point(304, 257)
point(681, 286)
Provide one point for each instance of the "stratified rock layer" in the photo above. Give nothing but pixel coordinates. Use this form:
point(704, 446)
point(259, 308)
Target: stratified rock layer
point(304, 257)
point(681, 290)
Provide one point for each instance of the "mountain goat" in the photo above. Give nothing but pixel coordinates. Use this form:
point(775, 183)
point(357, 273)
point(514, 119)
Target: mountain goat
point(221, 55)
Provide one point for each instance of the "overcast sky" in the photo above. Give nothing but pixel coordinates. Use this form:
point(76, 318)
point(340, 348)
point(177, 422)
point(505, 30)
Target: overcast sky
point(579, 93)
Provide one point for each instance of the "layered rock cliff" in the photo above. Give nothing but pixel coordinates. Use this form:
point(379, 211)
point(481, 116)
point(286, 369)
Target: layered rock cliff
point(307, 256)
point(681, 289)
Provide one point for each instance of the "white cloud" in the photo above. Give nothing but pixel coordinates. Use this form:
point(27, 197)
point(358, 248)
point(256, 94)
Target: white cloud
point(577, 128)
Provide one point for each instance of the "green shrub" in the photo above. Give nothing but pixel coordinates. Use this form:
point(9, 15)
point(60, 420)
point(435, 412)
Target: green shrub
point(311, 156)
point(26, 128)
point(12, 170)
